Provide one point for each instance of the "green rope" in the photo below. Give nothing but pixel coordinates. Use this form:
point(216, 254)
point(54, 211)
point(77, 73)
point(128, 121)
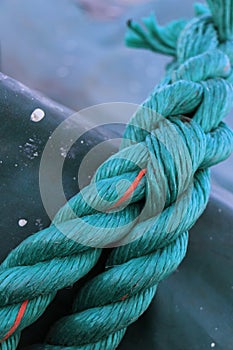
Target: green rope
point(190, 103)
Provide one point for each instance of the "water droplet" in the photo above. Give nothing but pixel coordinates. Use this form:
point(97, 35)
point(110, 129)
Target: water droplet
point(63, 152)
point(39, 223)
point(212, 345)
point(81, 141)
point(37, 115)
point(30, 149)
point(22, 222)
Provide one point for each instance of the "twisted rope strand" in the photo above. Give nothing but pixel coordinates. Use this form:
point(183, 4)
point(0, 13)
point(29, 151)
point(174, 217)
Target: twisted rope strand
point(17, 322)
point(40, 245)
point(117, 297)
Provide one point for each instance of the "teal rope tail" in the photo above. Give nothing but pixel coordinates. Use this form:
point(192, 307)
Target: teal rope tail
point(176, 135)
point(49, 260)
point(199, 85)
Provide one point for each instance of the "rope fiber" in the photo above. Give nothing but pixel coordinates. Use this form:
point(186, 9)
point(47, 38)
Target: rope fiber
point(162, 169)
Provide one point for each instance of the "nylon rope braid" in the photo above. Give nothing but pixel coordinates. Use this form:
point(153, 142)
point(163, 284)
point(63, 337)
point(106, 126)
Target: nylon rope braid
point(168, 193)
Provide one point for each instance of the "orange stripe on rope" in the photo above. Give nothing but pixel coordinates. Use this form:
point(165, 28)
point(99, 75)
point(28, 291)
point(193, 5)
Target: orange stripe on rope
point(131, 189)
point(17, 321)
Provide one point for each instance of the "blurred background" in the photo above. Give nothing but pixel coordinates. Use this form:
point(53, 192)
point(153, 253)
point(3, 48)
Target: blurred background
point(73, 50)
